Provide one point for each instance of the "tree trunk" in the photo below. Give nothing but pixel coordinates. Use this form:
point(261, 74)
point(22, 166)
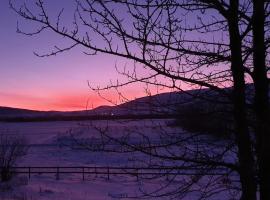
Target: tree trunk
point(245, 155)
point(261, 101)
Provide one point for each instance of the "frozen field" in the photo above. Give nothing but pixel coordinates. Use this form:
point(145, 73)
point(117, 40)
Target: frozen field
point(46, 150)
point(48, 141)
point(47, 147)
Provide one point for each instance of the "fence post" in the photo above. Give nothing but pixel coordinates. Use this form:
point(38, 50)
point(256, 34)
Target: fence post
point(29, 172)
point(83, 173)
point(57, 174)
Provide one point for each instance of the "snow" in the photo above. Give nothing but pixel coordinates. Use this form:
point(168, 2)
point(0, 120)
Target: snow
point(45, 139)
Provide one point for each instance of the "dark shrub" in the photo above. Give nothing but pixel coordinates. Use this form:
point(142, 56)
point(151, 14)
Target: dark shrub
point(11, 149)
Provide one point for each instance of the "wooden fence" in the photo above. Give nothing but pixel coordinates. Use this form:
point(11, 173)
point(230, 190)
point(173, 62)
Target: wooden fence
point(111, 170)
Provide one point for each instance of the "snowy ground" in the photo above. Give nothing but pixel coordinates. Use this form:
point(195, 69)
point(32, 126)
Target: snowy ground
point(45, 150)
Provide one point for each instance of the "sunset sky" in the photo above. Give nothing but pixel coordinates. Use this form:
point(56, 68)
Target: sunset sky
point(52, 83)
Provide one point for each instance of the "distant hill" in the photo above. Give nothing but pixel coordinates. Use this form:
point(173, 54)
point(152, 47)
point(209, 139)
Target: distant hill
point(160, 104)
point(7, 111)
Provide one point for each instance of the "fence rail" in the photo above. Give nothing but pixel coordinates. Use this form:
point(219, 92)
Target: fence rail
point(112, 170)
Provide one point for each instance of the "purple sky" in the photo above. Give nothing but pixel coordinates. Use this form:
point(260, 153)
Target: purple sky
point(53, 83)
point(60, 82)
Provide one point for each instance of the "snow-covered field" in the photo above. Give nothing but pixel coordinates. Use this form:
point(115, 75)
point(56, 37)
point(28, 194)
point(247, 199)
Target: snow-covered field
point(46, 141)
point(45, 150)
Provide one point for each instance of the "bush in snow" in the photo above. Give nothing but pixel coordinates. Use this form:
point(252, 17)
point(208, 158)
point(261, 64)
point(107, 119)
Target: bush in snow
point(12, 148)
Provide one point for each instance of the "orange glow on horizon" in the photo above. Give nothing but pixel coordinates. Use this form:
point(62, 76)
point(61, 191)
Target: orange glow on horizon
point(66, 102)
point(53, 103)
point(72, 100)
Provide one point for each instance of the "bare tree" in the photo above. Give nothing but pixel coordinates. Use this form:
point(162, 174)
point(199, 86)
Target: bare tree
point(12, 148)
point(204, 44)
point(260, 26)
